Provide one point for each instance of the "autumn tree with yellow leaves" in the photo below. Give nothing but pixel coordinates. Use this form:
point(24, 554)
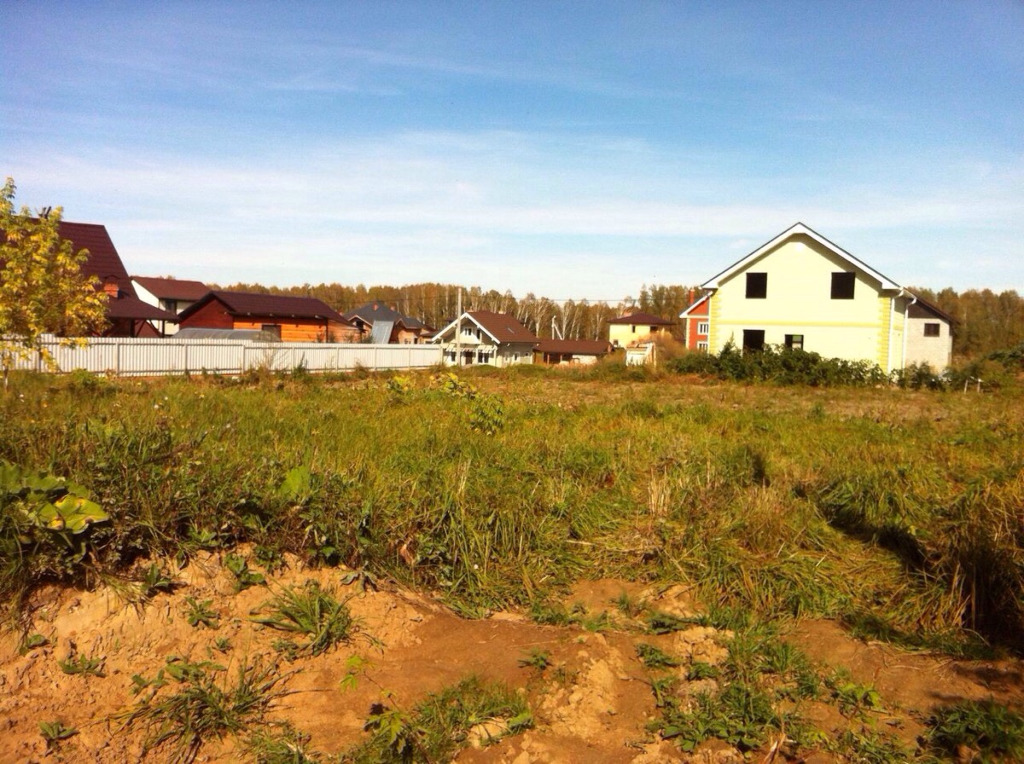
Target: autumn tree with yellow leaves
point(42, 287)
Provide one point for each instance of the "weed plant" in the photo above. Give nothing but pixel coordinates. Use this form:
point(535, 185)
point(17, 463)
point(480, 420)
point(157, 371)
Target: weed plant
point(312, 612)
point(204, 706)
point(440, 725)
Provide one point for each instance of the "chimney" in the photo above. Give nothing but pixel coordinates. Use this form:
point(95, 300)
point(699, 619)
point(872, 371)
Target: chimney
point(110, 288)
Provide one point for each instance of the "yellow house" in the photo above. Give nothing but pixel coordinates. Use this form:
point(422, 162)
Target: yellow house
point(801, 291)
point(636, 327)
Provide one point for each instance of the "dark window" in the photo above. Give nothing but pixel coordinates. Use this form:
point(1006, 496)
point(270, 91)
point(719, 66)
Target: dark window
point(757, 286)
point(272, 329)
point(931, 330)
point(795, 341)
point(842, 286)
point(753, 340)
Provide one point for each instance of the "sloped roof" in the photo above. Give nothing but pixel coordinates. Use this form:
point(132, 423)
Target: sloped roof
point(172, 289)
point(694, 305)
point(372, 312)
point(132, 307)
point(502, 327)
point(381, 332)
point(103, 261)
point(574, 347)
point(921, 308)
point(796, 230)
point(267, 305)
point(647, 319)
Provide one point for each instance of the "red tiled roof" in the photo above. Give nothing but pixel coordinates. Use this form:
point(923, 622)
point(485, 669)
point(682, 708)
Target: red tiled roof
point(502, 327)
point(172, 289)
point(574, 347)
point(269, 305)
point(647, 319)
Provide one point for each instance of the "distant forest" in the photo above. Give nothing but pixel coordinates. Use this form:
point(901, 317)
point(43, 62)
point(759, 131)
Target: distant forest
point(984, 321)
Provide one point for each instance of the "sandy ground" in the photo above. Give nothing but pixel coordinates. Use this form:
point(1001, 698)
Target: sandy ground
point(592, 704)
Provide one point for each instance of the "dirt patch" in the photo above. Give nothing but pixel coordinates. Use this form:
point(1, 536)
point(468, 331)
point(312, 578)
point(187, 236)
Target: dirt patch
point(591, 697)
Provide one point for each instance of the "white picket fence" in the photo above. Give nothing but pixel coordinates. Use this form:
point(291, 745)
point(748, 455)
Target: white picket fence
point(126, 356)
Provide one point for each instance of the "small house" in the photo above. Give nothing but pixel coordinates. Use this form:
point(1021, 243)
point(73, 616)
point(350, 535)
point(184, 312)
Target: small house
point(288, 318)
point(484, 337)
point(637, 327)
point(172, 295)
point(572, 352)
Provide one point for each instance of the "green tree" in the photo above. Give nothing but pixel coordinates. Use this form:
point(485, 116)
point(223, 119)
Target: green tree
point(42, 287)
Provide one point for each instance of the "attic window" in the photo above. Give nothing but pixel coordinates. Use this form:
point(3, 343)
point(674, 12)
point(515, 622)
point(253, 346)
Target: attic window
point(842, 285)
point(757, 286)
point(931, 330)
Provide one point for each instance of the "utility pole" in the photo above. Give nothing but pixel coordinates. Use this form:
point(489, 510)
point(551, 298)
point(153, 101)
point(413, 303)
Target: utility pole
point(458, 329)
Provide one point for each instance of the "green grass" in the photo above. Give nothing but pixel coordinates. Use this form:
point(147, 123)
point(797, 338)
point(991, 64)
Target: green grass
point(311, 612)
point(892, 509)
point(440, 725)
point(203, 704)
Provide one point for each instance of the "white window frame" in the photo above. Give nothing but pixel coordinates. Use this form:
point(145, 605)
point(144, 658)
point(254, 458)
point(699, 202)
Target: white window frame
point(702, 327)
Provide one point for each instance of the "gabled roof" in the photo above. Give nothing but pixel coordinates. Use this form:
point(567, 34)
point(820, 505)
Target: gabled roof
point(172, 289)
point(500, 327)
point(645, 319)
point(372, 312)
point(574, 347)
point(696, 303)
point(267, 305)
point(796, 230)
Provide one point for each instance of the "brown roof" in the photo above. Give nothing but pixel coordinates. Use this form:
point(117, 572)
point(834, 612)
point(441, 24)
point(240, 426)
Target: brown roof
point(503, 327)
point(269, 305)
point(647, 319)
point(103, 261)
point(173, 289)
point(574, 347)
point(924, 309)
point(133, 307)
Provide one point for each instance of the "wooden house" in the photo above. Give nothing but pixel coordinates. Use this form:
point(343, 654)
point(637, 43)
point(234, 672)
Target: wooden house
point(290, 319)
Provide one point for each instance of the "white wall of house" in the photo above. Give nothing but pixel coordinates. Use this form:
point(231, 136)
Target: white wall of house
point(930, 341)
point(172, 306)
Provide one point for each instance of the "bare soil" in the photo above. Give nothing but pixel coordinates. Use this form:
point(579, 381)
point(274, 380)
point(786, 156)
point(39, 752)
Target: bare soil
point(592, 704)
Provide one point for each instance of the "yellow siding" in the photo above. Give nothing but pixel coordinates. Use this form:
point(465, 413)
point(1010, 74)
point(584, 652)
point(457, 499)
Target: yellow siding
point(626, 334)
point(798, 301)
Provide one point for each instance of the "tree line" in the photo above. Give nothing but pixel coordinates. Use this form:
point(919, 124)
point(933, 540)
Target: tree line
point(437, 304)
point(984, 321)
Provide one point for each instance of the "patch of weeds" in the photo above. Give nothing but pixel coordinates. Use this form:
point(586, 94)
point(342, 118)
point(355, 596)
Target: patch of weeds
point(741, 714)
point(536, 659)
point(82, 664)
point(443, 724)
point(222, 645)
point(550, 614)
point(155, 579)
point(55, 731)
point(663, 688)
point(852, 697)
point(311, 611)
point(984, 726)
point(699, 670)
point(32, 642)
point(200, 614)
point(244, 577)
point(868, 747)
point(280, 745)
point(629, 607)
point(203, 708)
point(653, 658)
point(355, 666)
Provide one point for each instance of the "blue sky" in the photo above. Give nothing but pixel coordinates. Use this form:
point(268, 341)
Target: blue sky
point(575, 149)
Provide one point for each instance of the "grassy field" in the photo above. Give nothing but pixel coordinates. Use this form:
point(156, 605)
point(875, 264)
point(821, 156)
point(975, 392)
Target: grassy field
point(898, 512)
